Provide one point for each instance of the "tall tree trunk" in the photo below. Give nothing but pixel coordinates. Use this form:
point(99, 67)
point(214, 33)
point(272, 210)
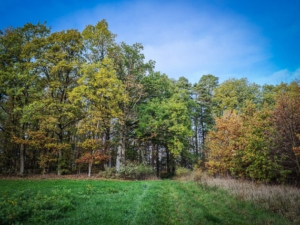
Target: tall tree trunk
point(119, 158)
point(172, 164)
point(121, 150)
point(107, 140)
point(90, 168)
point(142, 156)
point(107, 145)
point(60, 153)
point(22, 159)
point(153, 155)
point(168, 161)
point(74, 153)
point(109, 160)
point(203, 138)
point(59, 162)
point(196, 138)
point(157, 161)
point(22, 152)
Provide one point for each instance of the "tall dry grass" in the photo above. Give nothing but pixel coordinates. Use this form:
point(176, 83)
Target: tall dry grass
point(281, 199)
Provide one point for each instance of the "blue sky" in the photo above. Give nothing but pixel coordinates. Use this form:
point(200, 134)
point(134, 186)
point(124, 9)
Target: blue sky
point(259, 40)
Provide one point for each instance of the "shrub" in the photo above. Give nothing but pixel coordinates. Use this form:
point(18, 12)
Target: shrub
point(198, 175)
point(108, 172)
point(135, 170)
point(131, 170)
point(182, 172)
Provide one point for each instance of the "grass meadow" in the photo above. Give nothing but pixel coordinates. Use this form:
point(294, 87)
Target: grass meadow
point(68, 201)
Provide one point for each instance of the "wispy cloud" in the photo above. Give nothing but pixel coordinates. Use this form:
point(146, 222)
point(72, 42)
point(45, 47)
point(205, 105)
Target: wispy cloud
point(277, 77)
point(184, 39)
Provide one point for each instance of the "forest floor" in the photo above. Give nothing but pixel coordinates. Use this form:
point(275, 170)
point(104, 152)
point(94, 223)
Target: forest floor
point(82, 176)
point(94, 201)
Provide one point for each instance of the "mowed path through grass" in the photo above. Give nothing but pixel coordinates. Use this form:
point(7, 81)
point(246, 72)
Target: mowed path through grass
point(123, 202)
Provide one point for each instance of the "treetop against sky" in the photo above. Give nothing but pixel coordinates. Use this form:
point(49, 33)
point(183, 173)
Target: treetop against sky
point(254, 39)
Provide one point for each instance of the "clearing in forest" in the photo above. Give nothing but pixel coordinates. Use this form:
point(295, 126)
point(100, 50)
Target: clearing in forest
point(116, 202)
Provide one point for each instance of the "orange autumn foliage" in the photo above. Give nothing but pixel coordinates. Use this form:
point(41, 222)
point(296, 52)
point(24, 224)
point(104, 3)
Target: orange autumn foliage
point(91, 152)
point(223, 143)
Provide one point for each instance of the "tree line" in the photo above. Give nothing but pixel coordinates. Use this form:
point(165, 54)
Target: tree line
point(72, 101)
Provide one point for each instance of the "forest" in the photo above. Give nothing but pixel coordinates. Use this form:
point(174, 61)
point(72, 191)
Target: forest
point(78, 102)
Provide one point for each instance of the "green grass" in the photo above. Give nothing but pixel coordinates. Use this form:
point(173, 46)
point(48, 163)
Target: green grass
point(116, 202)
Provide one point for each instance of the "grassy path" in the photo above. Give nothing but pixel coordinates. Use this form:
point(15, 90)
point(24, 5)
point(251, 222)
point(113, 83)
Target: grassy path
point(112, 202)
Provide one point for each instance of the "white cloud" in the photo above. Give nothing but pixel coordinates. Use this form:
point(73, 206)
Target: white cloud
point(183, 39)
point(223, 46)
point(277, 77)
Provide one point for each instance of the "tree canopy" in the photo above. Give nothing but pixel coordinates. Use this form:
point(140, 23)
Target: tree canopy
point(74, 101)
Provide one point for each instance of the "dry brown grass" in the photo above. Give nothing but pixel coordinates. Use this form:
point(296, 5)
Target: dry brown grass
point(281, 199)
point(82, 176)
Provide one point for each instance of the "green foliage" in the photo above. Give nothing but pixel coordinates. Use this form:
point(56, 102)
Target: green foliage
point(99, 92)
point(233, 94)
point(204, 91)
point(166, 122)
point(157, 86)
point(97, 40)
point(18, 83)
point(268, 95)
